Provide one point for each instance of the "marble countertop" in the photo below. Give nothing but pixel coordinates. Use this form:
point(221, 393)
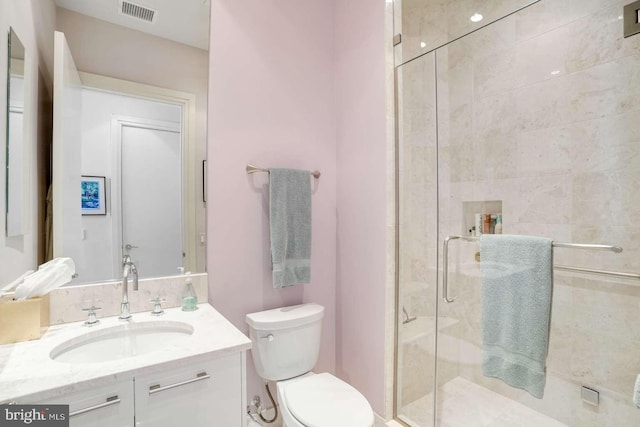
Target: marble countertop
point(28, 374)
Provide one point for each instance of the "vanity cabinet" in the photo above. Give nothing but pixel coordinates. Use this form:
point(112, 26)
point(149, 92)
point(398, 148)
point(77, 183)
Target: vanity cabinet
point(202, 394)
point(105, 406)
point(198, 381)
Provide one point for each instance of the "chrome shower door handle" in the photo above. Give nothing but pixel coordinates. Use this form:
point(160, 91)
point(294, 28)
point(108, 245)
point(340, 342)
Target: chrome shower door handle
point(129, 246)
point(445, 269)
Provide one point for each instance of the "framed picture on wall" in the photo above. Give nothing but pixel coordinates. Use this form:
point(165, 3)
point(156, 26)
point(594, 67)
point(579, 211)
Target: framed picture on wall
point(94, 200)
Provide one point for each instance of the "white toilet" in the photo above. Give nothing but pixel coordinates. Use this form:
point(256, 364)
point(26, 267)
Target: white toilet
point(286, 343)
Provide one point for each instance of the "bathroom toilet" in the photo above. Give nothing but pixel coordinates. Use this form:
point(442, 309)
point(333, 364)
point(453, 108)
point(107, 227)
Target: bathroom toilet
point(286, 344)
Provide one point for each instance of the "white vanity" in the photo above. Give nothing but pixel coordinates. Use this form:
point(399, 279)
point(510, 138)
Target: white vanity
point(181, 368)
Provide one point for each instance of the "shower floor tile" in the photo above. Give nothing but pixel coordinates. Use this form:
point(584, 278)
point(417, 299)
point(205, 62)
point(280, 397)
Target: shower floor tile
point(463, 403)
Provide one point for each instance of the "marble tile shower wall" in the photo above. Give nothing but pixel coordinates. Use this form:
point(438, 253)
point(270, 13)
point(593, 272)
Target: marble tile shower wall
point(539, 110)
point(428, 24)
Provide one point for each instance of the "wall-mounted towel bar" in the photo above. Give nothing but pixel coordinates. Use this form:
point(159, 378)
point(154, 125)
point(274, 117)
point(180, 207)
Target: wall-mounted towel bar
point(253, 169)
point(615, 249)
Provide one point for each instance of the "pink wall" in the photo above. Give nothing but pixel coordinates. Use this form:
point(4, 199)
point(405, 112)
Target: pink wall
point(302, 84)
point(361, 196)
point(270, 104)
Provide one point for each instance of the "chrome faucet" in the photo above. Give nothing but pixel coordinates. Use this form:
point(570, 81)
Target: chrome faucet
point(128, 269)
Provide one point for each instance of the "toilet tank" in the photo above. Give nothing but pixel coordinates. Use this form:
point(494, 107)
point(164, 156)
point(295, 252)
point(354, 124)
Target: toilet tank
point(286, 340)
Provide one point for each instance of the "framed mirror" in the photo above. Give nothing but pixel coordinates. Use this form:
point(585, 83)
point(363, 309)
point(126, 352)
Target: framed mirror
point(15, 146)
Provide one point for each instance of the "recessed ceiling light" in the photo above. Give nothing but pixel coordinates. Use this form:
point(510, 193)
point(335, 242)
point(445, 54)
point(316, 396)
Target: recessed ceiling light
point(423, 45)
point(476, 17)
point(555, 72)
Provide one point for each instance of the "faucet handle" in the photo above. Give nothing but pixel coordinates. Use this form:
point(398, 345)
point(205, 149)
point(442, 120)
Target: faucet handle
point(92, 320)
point(157, 306)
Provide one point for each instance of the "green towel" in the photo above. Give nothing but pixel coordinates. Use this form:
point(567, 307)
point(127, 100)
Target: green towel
point(517, 282)
point(290, 226)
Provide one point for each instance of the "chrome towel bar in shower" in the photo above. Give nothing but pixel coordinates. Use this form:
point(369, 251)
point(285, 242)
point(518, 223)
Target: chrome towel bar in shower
point(253, 169)
point(615, 249)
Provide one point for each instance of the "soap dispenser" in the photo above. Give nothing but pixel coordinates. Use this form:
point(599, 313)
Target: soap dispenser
point(189, 297)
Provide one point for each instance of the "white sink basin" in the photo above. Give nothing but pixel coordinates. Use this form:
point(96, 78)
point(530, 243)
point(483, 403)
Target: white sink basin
point(122, 341)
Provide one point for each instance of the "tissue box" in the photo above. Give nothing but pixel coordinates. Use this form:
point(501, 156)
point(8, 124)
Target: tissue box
point(23, 320)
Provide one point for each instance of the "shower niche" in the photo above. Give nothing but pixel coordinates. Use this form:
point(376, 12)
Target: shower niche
point(471, 221)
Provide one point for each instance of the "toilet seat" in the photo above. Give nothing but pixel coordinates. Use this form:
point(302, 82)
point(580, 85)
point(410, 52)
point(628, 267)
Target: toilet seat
point(323, 400)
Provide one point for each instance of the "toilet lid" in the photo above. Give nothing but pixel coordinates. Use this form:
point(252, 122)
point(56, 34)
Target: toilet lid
point(323, 400)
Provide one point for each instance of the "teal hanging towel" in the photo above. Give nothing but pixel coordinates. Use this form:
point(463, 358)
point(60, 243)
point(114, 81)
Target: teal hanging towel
point(290, 226)
point(517, 282)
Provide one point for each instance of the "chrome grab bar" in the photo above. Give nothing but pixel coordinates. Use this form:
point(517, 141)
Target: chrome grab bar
point(614, 249)
point(112, 400)
point(617, 274)
point(157, 389)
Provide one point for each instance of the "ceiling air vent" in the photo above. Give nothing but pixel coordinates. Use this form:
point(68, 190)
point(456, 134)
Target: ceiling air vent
point(136, 11)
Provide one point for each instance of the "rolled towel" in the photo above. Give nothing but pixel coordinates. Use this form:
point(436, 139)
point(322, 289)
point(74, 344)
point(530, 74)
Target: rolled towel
point(636, 393)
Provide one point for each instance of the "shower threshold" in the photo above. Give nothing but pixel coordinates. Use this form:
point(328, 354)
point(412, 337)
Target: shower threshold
point(463, 403)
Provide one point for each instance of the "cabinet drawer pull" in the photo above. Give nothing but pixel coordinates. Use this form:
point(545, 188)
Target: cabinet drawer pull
point(156, 387)
point(113, 400)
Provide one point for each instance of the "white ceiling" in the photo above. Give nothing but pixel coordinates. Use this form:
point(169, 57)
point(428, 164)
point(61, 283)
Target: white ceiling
point(183, 21)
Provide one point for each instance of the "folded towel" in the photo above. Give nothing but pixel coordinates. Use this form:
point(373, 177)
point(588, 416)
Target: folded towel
point(517, 282)
point(290, 225)
point(636, 393)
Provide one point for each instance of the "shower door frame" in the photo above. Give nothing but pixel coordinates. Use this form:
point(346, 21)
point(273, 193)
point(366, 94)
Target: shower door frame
point(398, 308)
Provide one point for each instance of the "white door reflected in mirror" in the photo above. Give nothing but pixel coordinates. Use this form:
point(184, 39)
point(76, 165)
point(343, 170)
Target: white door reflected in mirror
point(151, 179)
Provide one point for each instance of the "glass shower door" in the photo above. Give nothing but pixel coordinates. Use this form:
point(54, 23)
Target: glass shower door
point(533, 118)
point(537, 119)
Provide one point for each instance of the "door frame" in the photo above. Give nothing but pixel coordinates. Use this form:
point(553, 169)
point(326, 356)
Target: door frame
point(188, 129)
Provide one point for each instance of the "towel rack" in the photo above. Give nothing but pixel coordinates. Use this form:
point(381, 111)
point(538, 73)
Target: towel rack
point(614, 249)
point(253, 169)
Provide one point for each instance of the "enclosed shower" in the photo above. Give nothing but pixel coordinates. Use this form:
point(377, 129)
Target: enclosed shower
point(524, 114)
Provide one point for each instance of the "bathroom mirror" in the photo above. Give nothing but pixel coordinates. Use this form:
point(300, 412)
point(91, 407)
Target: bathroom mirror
point(128, 158)
point(15, 171)
point(132, 167)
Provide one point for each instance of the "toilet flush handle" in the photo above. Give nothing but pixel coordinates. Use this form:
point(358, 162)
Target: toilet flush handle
point(267, 337)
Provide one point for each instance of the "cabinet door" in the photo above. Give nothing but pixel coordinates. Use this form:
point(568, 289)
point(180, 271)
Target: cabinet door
point(104, 406)
point(207, 394)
